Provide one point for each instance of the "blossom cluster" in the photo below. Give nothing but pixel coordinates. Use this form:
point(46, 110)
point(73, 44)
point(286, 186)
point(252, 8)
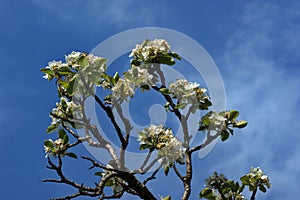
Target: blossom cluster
point(64, 109)
point(257, 173)
point(54, 66)
point(219, 183)
point(56, 147)
point(134, 78)
point(149, 49)
point(142, 73)
point(189, 93)
point(162, 139)
point(77, 64)
point(82, 60)
point(217, 121)
point(256, 179)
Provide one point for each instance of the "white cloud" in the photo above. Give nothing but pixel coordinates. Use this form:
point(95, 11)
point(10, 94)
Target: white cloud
point(97, 13)
point(262, 81)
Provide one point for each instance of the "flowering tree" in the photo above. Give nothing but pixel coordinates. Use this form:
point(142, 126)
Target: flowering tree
point(77, 80)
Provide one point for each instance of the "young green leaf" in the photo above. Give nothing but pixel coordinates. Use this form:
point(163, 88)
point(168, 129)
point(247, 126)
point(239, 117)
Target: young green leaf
point(245, 180)
point(64, 70)
point(207, 193)
point(143, 146)
point(165, 91)
point(224, 135)
point(145, 87)
point(166, 198)
point(52, 128)
point(49, 144)
point(240, 124)
point(70, 86)
point(61, 133)
point(166, 170)
point(233, 114)
point(262, 188)
point(72, 155)
point(98, 173)
point(175, 55)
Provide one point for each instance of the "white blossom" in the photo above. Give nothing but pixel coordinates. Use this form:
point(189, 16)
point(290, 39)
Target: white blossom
point(123, 89)
point(91, 63)
point(73, 57)
point(48, 150)
point(46, 76)
point(264, 177)
point(59, 143)
point(140, 76)
point(256, 171)
point(55, 65)
point(150, 49)
point(171, 151)
point(133, 79)
point(163, 140)
point(217, 121)
point(188, 93)
point(65, 109)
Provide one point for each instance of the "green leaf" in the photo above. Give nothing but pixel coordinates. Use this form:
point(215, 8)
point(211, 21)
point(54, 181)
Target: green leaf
point(233, 114)
point(166, 198)
point(224, 135)
point(166, 170)
point(52, 128)
point(127, 76)
point(64, 104)
point(143, 146)
point(49, 143)
point(207, 193)
point(63, 83)
point(135, 62)
point(135, 72)
point(181, 161)
point(98, 173)
point(245, 180)
point(70, 86)
point(47, 71)
point(240, 124)
point(201, 128)
point(165, 58)
point(205, 121)
point(180, 106)
point(108, 98)
point(109, 182)
point(72, 155)
point(64, 70)
point(117, 189)
point(83, 61)
point(61, 133)
point(65, 140)
point(116, 77)
point(175, 55)
point(165, 91)
point(105, 76)
point(145, 87)
point(204, 106)
point(262, 188)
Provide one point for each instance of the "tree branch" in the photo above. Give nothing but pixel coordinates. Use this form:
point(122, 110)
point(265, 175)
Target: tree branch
point(153, 175)
point(208, 140)
point(178, 173)
point(253, 194)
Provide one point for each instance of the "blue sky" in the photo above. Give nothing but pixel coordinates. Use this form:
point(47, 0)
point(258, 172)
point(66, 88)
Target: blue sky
point(255, 45)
